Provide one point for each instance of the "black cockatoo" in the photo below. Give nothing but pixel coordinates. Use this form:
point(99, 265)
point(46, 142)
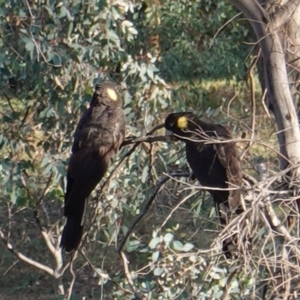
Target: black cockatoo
point(98, 136)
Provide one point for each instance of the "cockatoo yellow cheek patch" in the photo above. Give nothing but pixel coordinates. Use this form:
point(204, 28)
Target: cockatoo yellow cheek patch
point(112, 94)
point(182, 123)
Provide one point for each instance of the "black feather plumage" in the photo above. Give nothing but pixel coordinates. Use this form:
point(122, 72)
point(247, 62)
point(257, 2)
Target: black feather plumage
point(213, 158)
point(98, 136)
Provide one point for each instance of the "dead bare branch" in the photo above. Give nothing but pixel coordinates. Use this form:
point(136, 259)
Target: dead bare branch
point(253, 105)
point(24, 258)
point(128, 276)
point(146, 139)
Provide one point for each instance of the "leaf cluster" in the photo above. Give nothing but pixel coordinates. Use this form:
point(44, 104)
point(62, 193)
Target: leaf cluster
point(52, 54)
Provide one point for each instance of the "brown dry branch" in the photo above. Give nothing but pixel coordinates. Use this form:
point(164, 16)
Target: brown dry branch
point(227, 289)
point(287, 275)
point(263, 102)
point(253, 105)
point(146, 139)
point(286, 261)
point(278, 253)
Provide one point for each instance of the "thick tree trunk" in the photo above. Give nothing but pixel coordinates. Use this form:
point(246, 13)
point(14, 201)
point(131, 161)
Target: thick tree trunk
point(267, 29)
point(289, 34)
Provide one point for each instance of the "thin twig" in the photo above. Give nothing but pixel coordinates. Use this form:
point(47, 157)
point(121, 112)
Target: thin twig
point(175, 208)
point(264, 105)
point(148, 138)
point(25, 116)
point(128, 276)
point(226, 295)
point(96, 270)
point(222, 27)
point(70, 289)
point(29, 10)
point(8, 100)
point(159, 186)
point(14, 263)
point(253, 104)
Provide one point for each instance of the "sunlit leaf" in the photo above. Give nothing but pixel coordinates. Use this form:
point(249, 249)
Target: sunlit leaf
point(145, 174)
point(155, 256)
point(187, 247)
point(177, 245)
point(157, 271)
point(168, 238)
point(154, 242)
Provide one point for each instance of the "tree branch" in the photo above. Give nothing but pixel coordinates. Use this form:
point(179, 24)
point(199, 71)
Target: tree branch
point(284, 13)
point(146, 139)
point(125, 262)
point(24, 258)
point(252, 10)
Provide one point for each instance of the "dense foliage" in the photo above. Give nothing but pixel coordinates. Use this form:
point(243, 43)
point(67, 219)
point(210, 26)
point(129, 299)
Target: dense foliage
point(52, 54)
